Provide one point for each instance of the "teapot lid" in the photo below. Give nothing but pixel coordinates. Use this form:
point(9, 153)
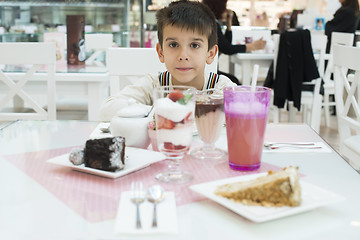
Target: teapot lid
point(133, 111)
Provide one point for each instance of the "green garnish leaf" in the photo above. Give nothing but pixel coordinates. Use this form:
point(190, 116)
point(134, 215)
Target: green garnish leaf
point(185, 99)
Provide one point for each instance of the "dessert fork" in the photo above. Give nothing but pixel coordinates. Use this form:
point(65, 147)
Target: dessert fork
point(267, 145)
point(292, 146)
point(137, 197)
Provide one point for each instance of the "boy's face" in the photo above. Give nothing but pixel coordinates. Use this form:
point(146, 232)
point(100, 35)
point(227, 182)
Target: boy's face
point(185, 53)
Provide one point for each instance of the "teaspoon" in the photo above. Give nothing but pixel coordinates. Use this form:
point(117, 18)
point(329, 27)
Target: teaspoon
point(155, 195)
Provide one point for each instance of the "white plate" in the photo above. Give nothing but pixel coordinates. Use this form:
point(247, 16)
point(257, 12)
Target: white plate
point(135, 159)
point(312, 197)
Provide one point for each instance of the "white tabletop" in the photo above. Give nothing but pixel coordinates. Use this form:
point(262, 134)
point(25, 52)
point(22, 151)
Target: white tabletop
point(28, 210)
point(252, 56)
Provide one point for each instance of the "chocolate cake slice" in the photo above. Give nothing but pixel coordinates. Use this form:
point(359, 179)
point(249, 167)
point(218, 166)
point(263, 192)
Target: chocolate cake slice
point(105, 154)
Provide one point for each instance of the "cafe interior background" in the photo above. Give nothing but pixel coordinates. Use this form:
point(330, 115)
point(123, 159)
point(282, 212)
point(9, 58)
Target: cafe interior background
point(132, 24)
point(29, 20)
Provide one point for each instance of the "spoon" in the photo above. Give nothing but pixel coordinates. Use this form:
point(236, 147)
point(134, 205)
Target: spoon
point(146, 115)
point(155, 195)
point(134, 112)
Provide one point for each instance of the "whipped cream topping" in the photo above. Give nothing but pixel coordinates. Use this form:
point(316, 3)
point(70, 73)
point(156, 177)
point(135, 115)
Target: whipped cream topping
point(173, 111)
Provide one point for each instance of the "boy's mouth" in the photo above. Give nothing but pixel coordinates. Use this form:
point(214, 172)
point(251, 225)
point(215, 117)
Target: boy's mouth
point(183, 69)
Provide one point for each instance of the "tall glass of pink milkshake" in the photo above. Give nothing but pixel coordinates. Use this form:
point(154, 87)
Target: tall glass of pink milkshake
point(246, 116)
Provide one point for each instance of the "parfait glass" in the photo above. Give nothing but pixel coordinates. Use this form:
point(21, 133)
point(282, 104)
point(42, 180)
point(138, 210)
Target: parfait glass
point(210, 119)
point(174, 118)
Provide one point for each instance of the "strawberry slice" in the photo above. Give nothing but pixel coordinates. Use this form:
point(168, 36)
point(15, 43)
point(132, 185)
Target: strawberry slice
point(176, 95)
point(178, 147)
point(164, 123)
point(170, 146)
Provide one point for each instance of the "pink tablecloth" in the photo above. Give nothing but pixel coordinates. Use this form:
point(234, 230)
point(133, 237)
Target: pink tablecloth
point(96, 198)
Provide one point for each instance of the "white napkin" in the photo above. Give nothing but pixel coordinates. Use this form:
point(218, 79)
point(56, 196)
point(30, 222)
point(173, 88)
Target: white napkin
point(97, 133)
point(298, 149)
point(166, 216)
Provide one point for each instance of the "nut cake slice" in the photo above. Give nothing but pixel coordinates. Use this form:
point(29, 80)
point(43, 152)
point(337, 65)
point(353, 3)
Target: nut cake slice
point(278, 189)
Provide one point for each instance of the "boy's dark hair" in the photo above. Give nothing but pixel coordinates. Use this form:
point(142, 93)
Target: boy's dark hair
point(191, 15)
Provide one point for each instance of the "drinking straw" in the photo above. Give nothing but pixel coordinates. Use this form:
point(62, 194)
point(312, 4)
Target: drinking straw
point(254, 77)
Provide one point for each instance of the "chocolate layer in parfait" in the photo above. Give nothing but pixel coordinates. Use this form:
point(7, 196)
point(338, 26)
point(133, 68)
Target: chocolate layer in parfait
point(212, 105)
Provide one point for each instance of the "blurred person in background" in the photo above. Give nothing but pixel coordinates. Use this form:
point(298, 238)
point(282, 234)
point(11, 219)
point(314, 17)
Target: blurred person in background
point(218, 7)
point(227, 15)
point(346, 19)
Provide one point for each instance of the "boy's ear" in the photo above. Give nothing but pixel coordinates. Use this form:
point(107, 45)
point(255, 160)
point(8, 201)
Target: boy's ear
point(212, 54)
point(160, 52)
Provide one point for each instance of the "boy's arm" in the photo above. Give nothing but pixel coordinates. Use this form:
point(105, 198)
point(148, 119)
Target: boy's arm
point(140, 92)
point(224, 81)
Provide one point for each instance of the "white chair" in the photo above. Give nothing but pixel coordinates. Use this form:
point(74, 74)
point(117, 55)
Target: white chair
point(274, 110)
point(98, 43)
point(136, 62)
point(310, 101)
point(346, 39)
point(34, 56)
point(347, 100)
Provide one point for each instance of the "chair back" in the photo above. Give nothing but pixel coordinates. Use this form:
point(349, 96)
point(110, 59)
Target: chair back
point(32, 57)
point(310, 101)
point(123, 63)
point(346, 39)
point(318, 43)
point(347, 95)
point(276, 40)
point(97, 43)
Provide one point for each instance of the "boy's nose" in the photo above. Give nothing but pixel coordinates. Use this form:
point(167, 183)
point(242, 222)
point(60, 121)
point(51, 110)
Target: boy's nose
point(183, 58)
point(183, 55)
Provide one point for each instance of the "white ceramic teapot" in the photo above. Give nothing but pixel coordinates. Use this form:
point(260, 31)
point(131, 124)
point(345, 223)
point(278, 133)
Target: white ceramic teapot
point(131, 122)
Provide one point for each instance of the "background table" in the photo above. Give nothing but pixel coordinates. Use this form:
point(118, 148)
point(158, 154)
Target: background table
point(73, 84)
point(31, 208)
point(247, 61)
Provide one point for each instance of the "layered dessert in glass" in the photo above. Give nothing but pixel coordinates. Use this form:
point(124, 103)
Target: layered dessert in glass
point(209, 118)
point(174, 117)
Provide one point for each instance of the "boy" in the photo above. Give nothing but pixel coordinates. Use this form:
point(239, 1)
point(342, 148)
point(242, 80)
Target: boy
point(187, 41)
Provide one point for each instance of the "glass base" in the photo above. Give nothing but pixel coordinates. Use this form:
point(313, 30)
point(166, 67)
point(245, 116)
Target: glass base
point(174, 177)
point(211, 154)
point(239, 167)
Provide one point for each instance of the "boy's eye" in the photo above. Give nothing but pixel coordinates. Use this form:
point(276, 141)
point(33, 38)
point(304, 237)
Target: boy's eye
point(173, 45)
point(195, 45)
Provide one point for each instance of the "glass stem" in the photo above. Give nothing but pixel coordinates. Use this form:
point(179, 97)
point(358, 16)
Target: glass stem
point(208, 147)
point(174, 166)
